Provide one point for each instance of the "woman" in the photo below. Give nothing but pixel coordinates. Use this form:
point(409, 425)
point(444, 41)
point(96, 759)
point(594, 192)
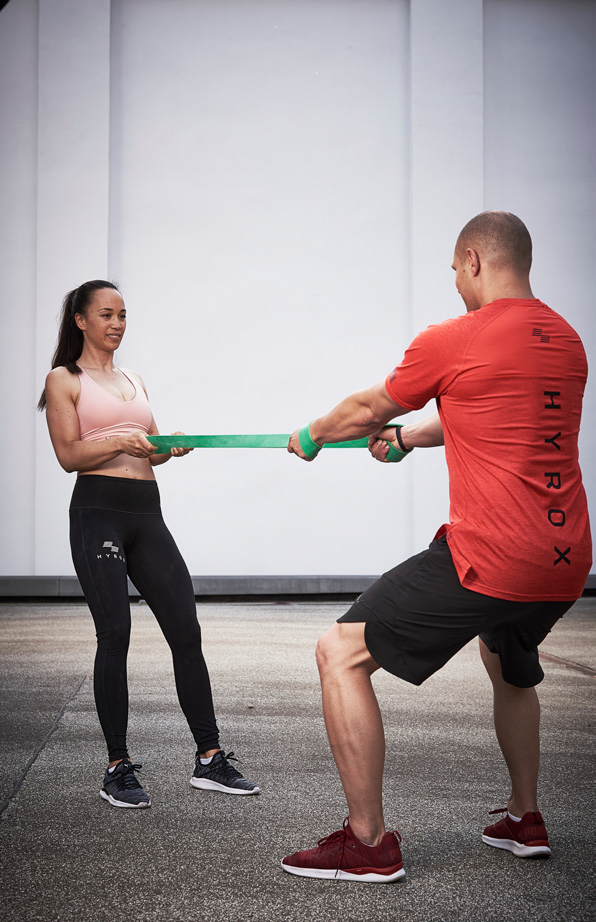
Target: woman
point(99, 419)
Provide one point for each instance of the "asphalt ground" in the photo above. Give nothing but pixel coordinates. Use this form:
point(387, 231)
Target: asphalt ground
point(68, 855)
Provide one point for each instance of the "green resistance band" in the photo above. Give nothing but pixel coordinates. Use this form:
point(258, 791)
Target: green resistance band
point(163, 443)
point(267, 440)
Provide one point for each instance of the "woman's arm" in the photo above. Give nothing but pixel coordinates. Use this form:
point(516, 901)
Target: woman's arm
point(62, 391)
point(172, 453)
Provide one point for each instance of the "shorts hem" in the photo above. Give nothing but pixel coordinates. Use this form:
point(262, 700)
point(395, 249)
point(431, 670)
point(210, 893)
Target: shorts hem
point(404, 672)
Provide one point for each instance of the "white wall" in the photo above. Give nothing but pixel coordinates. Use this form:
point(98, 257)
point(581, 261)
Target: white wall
point(18, 227)
point(276, 185)
point(540, 144)
point(273, 271)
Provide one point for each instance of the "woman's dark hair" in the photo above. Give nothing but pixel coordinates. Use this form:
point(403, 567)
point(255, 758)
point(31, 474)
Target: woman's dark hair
point(70, 337)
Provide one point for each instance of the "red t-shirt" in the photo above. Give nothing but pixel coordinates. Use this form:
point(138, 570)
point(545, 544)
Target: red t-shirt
point(509, 381)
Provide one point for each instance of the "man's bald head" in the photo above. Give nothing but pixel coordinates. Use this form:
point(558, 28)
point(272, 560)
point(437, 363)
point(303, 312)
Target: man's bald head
point(501, 240)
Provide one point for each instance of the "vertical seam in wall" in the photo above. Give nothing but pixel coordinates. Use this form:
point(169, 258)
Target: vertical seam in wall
point(109, 146)
point(483, 111)
point(411, 473)
point(409, 167)
point(36, 296)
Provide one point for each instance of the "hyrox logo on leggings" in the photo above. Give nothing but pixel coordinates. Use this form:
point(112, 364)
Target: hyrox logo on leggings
point(110, 552)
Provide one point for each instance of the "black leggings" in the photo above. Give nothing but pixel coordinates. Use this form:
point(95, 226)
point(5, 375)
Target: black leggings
point(117, 530)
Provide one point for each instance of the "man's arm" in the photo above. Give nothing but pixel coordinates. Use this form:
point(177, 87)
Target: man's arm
point(359, 415)
point(427, 433)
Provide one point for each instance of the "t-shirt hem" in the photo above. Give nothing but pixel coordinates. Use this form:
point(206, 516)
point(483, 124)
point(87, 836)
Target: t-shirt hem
point(509, 596)
point(469, 579)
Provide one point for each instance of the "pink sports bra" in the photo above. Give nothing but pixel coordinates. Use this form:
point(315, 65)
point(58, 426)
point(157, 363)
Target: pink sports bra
point(102, 414)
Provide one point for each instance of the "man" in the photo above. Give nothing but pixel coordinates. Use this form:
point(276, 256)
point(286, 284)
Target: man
point(508, 378)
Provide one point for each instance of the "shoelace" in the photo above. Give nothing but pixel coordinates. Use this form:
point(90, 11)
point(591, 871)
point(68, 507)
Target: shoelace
point(221, 765)
point(126, 776)
point(225, 767)
point(340, 834)
point(334, 839)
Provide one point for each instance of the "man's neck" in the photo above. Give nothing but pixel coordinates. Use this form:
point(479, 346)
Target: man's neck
point(505, 286)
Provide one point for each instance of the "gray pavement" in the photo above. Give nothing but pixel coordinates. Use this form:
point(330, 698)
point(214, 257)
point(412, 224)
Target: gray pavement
point(67, 855)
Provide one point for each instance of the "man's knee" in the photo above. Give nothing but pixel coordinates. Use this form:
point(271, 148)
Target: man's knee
point(326, 652)
point(343, 647)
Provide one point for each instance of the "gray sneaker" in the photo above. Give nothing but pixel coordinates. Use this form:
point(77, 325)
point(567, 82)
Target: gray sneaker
point(219, 775)
point(121, 787)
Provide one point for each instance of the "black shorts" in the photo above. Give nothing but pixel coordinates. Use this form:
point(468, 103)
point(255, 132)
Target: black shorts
point(418, 615)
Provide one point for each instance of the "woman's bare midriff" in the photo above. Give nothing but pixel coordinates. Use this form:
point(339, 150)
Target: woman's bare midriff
point(124, 466)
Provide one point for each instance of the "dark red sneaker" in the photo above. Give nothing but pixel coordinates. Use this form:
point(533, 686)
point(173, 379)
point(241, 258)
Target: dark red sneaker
point(341, 856)
point(527, 838)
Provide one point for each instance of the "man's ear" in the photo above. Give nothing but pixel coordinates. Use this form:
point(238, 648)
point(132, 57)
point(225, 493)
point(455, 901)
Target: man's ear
point(473, 261)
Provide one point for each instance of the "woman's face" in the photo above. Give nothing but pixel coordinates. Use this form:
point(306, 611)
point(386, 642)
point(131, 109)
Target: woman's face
point(104, 323)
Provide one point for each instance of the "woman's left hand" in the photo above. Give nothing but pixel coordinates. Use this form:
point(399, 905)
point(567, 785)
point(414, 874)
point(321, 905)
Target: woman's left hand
point(179, 452)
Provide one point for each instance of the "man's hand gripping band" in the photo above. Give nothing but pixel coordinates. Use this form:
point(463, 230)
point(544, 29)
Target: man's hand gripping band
point(311, 449)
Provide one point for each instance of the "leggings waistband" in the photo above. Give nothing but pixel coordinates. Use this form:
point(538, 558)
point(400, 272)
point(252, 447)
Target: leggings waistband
point(121, 494)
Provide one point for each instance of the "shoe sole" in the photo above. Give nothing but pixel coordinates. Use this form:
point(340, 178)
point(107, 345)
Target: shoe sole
point(121, 803)
point(369, 877)
point(519, 850)
point(207, 785)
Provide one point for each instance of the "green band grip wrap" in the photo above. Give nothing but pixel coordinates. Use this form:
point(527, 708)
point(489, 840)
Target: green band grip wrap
point(394, 454)
point(308, 446)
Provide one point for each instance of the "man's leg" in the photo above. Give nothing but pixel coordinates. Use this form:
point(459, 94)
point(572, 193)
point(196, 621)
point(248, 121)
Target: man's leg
point(517, 724)
point(354, 725)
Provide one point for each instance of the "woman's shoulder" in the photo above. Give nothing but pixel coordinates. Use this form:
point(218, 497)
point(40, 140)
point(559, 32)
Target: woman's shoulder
point(131, 372)
point(61, 371)
point(135, 376)
point(60, 379)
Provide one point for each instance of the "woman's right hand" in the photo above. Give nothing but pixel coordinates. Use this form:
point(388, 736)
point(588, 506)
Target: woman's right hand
point(134, 444)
